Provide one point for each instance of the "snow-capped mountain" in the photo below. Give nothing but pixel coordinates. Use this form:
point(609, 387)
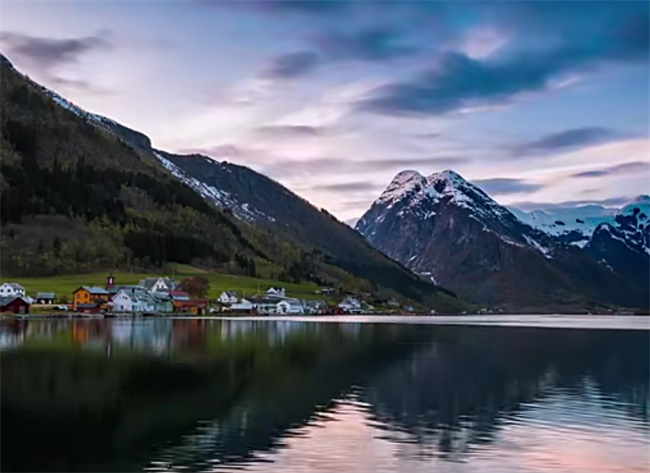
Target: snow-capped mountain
point(617, 238)
point(410, 195)
point(576, 225)
point(450, 231)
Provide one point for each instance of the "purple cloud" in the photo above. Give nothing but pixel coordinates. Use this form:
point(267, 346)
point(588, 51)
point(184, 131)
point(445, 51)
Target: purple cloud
point(620, 169)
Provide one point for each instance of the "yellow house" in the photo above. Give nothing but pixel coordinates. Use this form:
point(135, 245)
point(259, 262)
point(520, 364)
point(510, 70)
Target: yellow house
point(90, 295)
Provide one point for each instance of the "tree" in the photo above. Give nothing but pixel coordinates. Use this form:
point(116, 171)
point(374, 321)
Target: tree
point(57, 246)
point(196, 286)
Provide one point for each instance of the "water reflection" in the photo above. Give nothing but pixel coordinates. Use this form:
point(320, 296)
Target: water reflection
point(205, 395)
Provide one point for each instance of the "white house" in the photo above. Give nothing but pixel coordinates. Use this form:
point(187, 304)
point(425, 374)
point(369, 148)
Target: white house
point(45, 298)
point(158, 284)
point(275, 292)
point(351, 305)
point(289, 306)
point(133, 301)
point(228, 297)
point(264, 305)
point(314, 307)
point(12, 289)
point(242, 306)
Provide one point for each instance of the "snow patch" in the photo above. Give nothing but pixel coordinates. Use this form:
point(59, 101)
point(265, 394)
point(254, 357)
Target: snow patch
point(221, 199)
point(545, 251)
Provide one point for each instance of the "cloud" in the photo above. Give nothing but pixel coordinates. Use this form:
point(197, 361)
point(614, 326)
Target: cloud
point(370, 44)
point(502, 186)
point(349, 187)
point(576, 138)
point(292, 65)
point(290, 131)
point(456, 82)
point(609, 202)
point(282, 7)
point(47, 55)
point(293, 168)
point(619, 169)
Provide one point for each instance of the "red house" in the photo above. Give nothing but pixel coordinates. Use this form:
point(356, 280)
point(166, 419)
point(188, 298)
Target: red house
point(15, 304)
point(195, 306)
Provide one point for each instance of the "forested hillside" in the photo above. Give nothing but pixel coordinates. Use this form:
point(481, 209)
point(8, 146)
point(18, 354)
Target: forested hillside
point(76, 197)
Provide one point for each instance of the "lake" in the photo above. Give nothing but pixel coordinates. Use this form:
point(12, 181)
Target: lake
point(302, 396)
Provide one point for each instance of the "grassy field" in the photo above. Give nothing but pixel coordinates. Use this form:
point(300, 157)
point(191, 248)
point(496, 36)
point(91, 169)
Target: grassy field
point(218, 282)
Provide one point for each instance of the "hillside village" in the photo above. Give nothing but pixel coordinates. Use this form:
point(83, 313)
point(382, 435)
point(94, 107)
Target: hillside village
point(166, 296)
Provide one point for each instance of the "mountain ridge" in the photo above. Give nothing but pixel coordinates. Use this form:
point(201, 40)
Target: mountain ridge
point(448, 229)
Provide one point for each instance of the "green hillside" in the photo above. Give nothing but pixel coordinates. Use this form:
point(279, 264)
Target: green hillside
point(65, 284)
point(77, 199)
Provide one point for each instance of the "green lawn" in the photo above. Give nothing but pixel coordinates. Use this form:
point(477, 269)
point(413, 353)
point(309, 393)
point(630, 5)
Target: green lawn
point(218, 282)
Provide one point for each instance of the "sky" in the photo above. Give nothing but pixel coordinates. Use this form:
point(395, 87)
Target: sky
point(537, 102)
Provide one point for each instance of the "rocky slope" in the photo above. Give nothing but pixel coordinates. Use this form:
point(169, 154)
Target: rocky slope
point(256, 199)
point(450, 231)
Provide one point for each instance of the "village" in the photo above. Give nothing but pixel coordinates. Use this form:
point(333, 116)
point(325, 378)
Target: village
point(166, 296)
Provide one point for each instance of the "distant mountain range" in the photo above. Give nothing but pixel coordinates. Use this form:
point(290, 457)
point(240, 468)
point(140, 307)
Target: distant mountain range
point(81, 192)
point(450, 231)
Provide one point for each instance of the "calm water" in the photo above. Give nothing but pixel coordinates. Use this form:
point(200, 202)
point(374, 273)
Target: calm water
point(284, 396)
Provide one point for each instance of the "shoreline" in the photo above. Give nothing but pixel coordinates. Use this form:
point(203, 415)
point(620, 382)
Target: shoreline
point(620, 322)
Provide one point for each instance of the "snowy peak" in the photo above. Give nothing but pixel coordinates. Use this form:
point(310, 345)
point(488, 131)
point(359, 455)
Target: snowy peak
point(639, 205)
point(577, 225)
point(448, 176)
point(402, 184)
point(641, 199)
point(418, 194)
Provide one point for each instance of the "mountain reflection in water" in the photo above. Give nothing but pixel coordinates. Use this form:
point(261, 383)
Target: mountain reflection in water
point(206, 395)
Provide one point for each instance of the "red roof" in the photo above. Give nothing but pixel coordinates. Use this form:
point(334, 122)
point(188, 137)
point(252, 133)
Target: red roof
point(178, 293)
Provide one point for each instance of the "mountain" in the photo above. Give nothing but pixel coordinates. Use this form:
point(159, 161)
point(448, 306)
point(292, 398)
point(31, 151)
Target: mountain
point(256, 199)
point(619, 238)
point(447, 229)
point(576, 225)
point(81, 192)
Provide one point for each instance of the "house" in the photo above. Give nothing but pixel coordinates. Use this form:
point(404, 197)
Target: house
point(158, 284)
point(333, 310)
point(194, 306)
point(12, 289)
point(129, 300)
point(314, 307)
point(350, 305)
point(179, 295)
point(277, 293)
point(163, 302)
point(90, 295)
point(289, 306)
point(242, 306)
point(91, 308)
point(45, 298)
point(393, 303)
point(15, 304)
point(264, 305)
point(228, 297)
